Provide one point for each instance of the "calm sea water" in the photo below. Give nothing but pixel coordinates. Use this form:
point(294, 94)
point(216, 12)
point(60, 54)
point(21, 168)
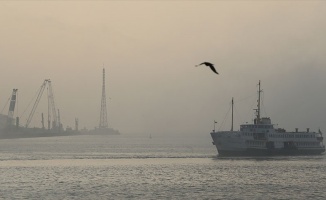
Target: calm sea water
point(136, 167)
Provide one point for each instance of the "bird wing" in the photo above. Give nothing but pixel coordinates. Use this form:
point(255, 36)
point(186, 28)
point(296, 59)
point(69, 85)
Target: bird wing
point(206, 63)
point(213, 69)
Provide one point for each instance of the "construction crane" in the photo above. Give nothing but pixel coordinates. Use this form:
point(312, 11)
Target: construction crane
point(56, 121)
point(51, 106)
point(29, 119)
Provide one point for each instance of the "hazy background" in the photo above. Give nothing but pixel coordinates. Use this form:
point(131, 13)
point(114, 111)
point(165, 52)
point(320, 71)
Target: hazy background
point(149, 50)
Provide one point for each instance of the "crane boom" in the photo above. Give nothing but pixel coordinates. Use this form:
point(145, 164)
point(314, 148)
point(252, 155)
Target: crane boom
point(36, 102)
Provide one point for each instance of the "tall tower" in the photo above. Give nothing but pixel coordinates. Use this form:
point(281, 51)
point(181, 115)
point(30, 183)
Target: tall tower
point(10, 119)
point(103, 117)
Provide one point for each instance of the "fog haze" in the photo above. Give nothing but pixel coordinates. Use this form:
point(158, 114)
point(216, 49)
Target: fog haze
point(149, 50)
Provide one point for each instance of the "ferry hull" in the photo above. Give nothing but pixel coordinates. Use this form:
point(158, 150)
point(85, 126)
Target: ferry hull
point(269, 152)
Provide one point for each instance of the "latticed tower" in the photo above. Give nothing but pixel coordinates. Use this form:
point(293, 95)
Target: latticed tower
point(103, 117)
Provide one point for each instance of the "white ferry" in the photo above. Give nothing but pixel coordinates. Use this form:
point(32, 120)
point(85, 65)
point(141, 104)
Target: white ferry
point(262, 139)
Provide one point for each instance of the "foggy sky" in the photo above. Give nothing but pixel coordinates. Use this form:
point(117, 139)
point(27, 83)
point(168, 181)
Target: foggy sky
point(149, 50)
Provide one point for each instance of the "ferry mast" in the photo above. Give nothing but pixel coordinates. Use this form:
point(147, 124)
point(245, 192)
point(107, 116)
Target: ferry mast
point(232, 115)
point(257, 120)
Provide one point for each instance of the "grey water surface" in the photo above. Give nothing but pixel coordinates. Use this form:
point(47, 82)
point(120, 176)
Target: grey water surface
point(137, 167)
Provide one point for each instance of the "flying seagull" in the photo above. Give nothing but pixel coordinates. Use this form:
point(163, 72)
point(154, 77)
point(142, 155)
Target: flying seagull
point(209, 65)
